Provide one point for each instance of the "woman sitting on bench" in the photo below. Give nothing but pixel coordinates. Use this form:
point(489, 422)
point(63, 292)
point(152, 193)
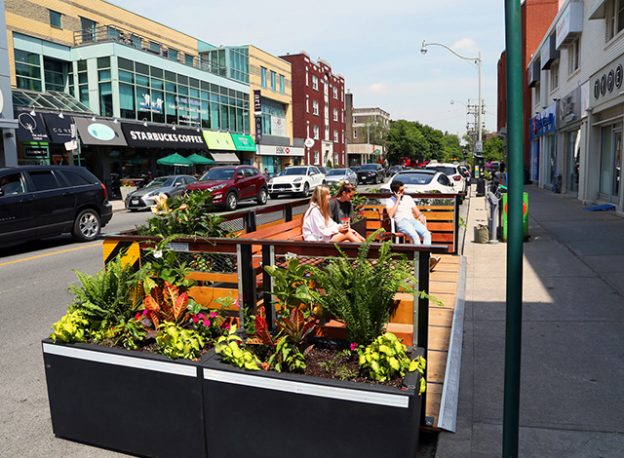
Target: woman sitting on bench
point(318, 225)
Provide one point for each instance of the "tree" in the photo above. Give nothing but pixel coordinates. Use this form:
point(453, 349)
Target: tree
point(493, 148)
point(405, 140)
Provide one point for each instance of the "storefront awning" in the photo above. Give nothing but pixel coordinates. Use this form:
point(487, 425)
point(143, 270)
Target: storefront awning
point(151, 136)
point(225, 158)
point(59, 129)
point(99, 132)
point(31, 127)
point(243, 142)
point(219, 141)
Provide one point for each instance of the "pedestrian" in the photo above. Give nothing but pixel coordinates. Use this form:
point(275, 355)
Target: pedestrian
point(318, 225)
point(408, 218)
point(340, 206)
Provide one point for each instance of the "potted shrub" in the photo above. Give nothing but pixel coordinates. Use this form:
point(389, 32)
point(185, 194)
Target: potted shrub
point(122, 366)
point(292, 393)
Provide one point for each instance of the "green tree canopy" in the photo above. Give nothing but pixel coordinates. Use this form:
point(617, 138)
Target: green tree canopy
point(408, 139)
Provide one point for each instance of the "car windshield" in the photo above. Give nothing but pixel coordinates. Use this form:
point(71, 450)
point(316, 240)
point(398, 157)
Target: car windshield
point(415, 178)
point(369, 167)
point(443, 169)
point(219, 174)
point(159, 182)
point(295, 171)
point(336, 172)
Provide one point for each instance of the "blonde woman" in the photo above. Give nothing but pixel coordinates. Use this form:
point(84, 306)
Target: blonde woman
point(318, 225)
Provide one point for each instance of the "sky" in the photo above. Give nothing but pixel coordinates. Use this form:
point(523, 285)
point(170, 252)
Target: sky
point(374, 44)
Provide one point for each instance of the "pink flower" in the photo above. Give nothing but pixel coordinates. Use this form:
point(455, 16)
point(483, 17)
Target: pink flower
point(212, 314)
point(195, 319)
point(206, 323)
point(145, 312)
point(201, 315)
point(137, 316)
point(354, 346)
point(226, 326)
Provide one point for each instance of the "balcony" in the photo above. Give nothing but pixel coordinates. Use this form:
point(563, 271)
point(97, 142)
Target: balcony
point(114, 34)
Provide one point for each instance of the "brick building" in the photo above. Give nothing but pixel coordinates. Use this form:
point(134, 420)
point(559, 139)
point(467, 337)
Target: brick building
point(318, 109)
point(365, 131)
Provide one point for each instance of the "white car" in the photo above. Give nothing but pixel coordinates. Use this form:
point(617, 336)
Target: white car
point(451, 170)
point(300, 179)
point(423, 181)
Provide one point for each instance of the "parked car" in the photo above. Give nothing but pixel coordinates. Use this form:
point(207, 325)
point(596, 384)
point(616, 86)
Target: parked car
point(371, 173)
point(338, 175)
point(451, 170)
point(324, 170)
point(296, 180)
point(394, 169)
point(423, 181)
point(171, 185)
point(232, 183)
point(44, 201)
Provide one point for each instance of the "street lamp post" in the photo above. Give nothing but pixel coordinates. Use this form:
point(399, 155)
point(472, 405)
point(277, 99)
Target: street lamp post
point(477, 61)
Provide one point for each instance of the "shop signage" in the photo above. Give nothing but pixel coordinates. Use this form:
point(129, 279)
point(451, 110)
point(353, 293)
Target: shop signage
point(141, 136)
point(606, 84)
point(544, 122)
point(36, 150)
point(274, 150)
point(31, 127)
point(258, 129)
point(99, 132)
point(278, 126)
point(257, 103)
point(151, 105)
point(570, 23)
point(569, 108)
point(243, 142)
point(219, 140)
point(59, 129)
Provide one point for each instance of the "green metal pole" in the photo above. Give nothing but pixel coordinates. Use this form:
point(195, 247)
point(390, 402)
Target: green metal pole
point(513, 325)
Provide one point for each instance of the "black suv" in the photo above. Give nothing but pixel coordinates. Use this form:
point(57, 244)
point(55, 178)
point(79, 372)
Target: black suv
point(43, 201)
point(371, 173)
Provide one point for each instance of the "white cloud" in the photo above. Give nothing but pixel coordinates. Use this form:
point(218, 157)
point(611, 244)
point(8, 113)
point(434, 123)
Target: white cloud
point(378, 88)
point(465, 46)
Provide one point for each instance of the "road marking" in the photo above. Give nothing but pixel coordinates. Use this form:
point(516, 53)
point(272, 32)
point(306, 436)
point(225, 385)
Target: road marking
point(54, 253)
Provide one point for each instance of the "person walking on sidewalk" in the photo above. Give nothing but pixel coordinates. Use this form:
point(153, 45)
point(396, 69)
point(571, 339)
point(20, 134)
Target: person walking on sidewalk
point(408, 219)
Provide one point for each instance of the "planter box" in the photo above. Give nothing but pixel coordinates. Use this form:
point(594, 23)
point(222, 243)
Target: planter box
point(261, 414)
point(130, 401)
point(125, 191)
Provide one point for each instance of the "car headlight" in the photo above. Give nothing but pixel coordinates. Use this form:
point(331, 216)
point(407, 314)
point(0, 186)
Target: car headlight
point(297, 180)
point(217, 187)
point(270, 181)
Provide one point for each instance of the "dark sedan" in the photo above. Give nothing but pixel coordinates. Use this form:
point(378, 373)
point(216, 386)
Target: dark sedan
point(371, 173)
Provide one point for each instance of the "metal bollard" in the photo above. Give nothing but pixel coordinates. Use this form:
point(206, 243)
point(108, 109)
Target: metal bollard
point(493, 200)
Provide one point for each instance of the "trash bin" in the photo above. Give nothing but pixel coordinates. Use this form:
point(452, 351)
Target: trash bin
point(481, 233)
point(525, 215)
point(480, 187)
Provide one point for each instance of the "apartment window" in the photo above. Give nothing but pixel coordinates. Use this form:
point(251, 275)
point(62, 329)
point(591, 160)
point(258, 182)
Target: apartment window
point(55, 19)
point(273, 80)
point(354, 133)
point(55, 74)
point(307, 103)
point(574, 55)
point(314, 82)
point(537, 95)
point(154, 47)
point(28, 70)
point(188, 60)
point(315, 130)
point(335, 136)
point(335, 115)
point(614, 16)
point(315, 108)
point(282, 80)
point(335, 92)
point(554, 76)
point(87, 27)
point(307, 78)
point(263, 77)
point(172, 54)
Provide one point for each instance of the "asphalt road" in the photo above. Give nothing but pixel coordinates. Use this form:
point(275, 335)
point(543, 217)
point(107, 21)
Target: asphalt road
point(34, 279)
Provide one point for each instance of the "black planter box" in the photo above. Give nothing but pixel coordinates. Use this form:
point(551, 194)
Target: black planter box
point(129, 401)
point(267, 414)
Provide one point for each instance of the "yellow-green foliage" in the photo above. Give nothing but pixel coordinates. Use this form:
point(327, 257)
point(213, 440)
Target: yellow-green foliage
point(228, 346)
point(72, 327)
point(176, 342)
point(387, 358)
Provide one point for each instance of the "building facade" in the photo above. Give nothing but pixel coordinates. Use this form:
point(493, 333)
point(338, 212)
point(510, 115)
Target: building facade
point(318, 110)
point(578, 102)
point(365, 132)
point(154, 89)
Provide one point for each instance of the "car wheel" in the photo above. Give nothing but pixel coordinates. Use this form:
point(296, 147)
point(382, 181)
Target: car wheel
point(262, 196)
point(273, 196)
point(231, 201)
point(306, 190)
point(87, 225)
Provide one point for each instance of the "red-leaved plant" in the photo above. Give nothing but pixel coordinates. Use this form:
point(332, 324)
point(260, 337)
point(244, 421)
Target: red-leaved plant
point(296, 327)
point(165, 303)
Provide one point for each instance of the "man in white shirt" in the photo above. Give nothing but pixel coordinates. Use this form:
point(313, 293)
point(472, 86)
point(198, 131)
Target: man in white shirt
point(407, 217)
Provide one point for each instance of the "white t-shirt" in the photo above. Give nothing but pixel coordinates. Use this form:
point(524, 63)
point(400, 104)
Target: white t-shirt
point(315, 229)
point(405, 210)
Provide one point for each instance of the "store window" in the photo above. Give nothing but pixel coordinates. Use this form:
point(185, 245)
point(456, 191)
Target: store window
point(282, 84)
point(28, 70)
point(263, 77)
point(56, 19)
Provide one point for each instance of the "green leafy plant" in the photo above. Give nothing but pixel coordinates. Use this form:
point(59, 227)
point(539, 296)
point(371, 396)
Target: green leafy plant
point(296, 326)
point(164, 265)
point(286, 356)
point(386, 358)
point(361, 292)
point(188, 214)
point(228, 346)
point(176, 342)
point(337, 366)
point(292, 285)
point(108, 297)
point(72, 327)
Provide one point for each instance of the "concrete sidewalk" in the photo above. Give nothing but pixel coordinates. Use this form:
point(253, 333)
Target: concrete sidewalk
point(572, 395)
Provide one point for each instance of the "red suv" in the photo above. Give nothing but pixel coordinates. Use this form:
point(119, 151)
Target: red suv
point(232, 183)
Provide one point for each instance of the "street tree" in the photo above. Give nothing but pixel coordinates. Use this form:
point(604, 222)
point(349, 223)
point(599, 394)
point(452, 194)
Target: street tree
point(405, 140)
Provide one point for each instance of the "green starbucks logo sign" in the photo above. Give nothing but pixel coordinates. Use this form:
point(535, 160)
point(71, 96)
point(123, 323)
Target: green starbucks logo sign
point(101, 132)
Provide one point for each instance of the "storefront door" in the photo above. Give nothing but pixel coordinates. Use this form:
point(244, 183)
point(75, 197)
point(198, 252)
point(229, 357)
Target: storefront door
point(610, 163)
point(572, 146)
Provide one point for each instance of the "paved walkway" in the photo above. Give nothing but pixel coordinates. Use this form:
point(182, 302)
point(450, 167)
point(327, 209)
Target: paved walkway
point(572, 389)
